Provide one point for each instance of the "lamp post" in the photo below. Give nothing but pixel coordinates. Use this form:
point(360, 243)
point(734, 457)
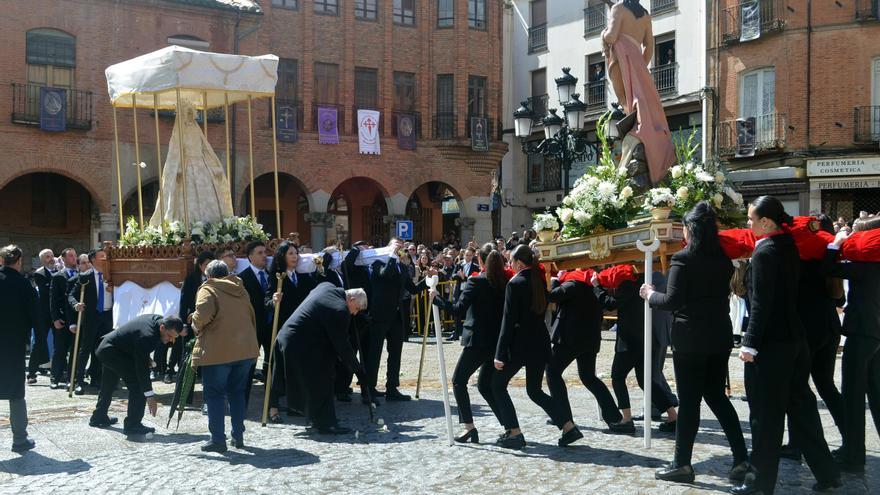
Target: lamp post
point(564, 139)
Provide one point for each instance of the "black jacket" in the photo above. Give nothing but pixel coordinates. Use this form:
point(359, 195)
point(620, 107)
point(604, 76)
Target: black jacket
point(357, 277)
point(317, 332)
point(818, 310)
point(90, 315)
point(578, 322)
point(387, 281)
point(59, 306)
point(630, 314)
point(293, 295)
point(862, 316)
point(773, 292)
point(258, 297)
point(134, 342)
point(482, 307)
point(698, 291)
point(43, 281)
point(524, 336)
point(18, 307)
point(188, 292)
point(335, 277)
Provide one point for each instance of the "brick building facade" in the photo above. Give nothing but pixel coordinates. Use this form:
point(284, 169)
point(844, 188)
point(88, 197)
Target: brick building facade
point(810, 78)
point(395, 56)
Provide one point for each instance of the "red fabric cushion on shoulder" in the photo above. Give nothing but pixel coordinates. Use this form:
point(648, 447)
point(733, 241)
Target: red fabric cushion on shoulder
point(810, 240)
point(862, 246)
point(737, 243)
point(612, 277)
point(581, 275)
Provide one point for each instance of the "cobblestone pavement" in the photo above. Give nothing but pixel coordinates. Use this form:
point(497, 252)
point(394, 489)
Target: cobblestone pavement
point(411, 457)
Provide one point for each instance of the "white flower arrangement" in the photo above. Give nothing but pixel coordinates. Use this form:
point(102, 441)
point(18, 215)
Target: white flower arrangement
point(659, 197)
point(229, 230)
point(545, 221)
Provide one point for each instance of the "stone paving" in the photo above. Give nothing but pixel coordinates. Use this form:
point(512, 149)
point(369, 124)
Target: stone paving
point(411, 457)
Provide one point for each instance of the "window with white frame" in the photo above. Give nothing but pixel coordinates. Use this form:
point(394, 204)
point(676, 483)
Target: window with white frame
point(757, 99)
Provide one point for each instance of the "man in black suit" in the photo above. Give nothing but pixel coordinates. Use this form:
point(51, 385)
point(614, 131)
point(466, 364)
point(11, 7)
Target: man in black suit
point(97, 318)
point(59, 310)
point(314, 338)
point(387, 281)
point(257, 284)
point(43, 281)
point(125, 353)
point(355, 277)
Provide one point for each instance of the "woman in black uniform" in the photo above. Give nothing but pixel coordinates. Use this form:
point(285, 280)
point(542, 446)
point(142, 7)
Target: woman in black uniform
point(481, 305)
point(775, 348)
point(523, 342)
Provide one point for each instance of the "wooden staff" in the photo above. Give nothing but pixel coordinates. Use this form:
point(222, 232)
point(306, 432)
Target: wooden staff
point(424, 346)
point(79, 319)
point(272, 352)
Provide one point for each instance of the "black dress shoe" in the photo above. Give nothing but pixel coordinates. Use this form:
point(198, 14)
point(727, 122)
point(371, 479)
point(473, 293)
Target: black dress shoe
point(376, 393)
point(676, 474)
point(138, 430)
point(20, 447)
point(748, 487)
point(211, 446)
point(238, 442)
point(512, 441)
point(79, 390)
point(276, 419)
point(392, 394)
point(154, 376)
point(31, 380)
point(667, 427)
point(738, 473)
point(790, 452)
point(469, 436)
point(329, 430)
point(626, 428)
point(53, 385)
point(850, 467)
point(827, 486)
point(102, 422)
point(169, 378)
point(570, 437)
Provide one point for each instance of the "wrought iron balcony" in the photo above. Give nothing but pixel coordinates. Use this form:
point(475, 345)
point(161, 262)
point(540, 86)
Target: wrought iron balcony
point(595, 96)
point(770, 18)
point(595, 18)
point(445, 126)
point(538, 38)
point(866, 122)
point(26, 106)
point(770, 134)
point(417, 118)
point(662, 6)
point(666, 79)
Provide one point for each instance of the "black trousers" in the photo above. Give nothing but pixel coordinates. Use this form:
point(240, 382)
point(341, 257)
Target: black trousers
point(286, 382)
point(117, 365)
point(164, 364)
point(405, 317)
point(63, 339)
point(344, 376)
point(780, 386)
point(379, 332)
point(623, 363)
point(534, 378)
point(861, 375)
point(264, 339)
point(469, 361)
point(699, 377)
point(561, 357)
point(40, 352)
point(313, 376)
point(88, 343)
point(658, 361)
point(823, 360)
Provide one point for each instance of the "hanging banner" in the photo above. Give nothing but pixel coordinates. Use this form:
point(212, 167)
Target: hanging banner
point(368, 132)
point(286, 125)
point(328, 132)
point(406, 131)
point(53, 109)
point(745, 138)
point(479, 134)
point(750, 28)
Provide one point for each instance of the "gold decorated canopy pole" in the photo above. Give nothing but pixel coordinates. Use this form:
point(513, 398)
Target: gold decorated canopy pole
point(275, 163)
point(158, 153)
point(118, 172)
point(182, 165)
point(137, 161)
point(228, 160)
point(251, 154)
point(205, 112)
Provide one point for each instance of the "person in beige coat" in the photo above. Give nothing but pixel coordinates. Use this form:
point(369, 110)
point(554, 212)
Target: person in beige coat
point(225, 348)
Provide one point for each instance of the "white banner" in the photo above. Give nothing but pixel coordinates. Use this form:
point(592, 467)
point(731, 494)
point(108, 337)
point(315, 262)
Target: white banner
point(368, 132)
point(750, 27)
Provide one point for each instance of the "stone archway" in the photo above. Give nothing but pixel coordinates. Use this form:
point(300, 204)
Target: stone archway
point(434, 208)
point(294, 201)
point(360, 208)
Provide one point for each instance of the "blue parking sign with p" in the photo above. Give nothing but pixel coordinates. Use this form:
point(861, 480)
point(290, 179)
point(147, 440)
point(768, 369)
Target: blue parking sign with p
point(405, 229)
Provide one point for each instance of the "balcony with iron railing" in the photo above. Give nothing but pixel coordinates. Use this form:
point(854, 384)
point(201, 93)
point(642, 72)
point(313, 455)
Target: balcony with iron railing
point(662, 6)
point(417, 122)
point(538, 38)
point(666, 79)
point(538, 104)
point(867, 10)
point(491, 126)
point(595, 96)
point(26, 106)
point(445, 126)
point(549, 179)
point(769, 18)
point(595, 18)
point(866, 122)
point(770, 134)
point(354, 118)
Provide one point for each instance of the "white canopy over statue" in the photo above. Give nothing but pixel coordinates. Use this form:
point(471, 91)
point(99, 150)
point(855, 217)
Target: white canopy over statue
point(207, 194)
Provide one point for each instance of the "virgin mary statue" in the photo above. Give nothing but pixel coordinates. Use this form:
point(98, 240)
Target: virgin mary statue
point(207, 188)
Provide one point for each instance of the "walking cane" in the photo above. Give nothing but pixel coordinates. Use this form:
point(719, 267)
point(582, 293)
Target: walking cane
point(272, 353)
point(424, 346)
point(79, 318)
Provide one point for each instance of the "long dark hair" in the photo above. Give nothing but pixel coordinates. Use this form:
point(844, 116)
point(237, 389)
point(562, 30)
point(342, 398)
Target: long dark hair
point(702, 225)
point(197, 263)
point(770, 207)
point(279, 260)
point(635, 7)
point(524, 255)
point(493, 262)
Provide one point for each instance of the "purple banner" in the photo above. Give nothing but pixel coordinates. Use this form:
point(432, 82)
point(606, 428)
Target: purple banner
point(406, 131)
point(327, 126)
